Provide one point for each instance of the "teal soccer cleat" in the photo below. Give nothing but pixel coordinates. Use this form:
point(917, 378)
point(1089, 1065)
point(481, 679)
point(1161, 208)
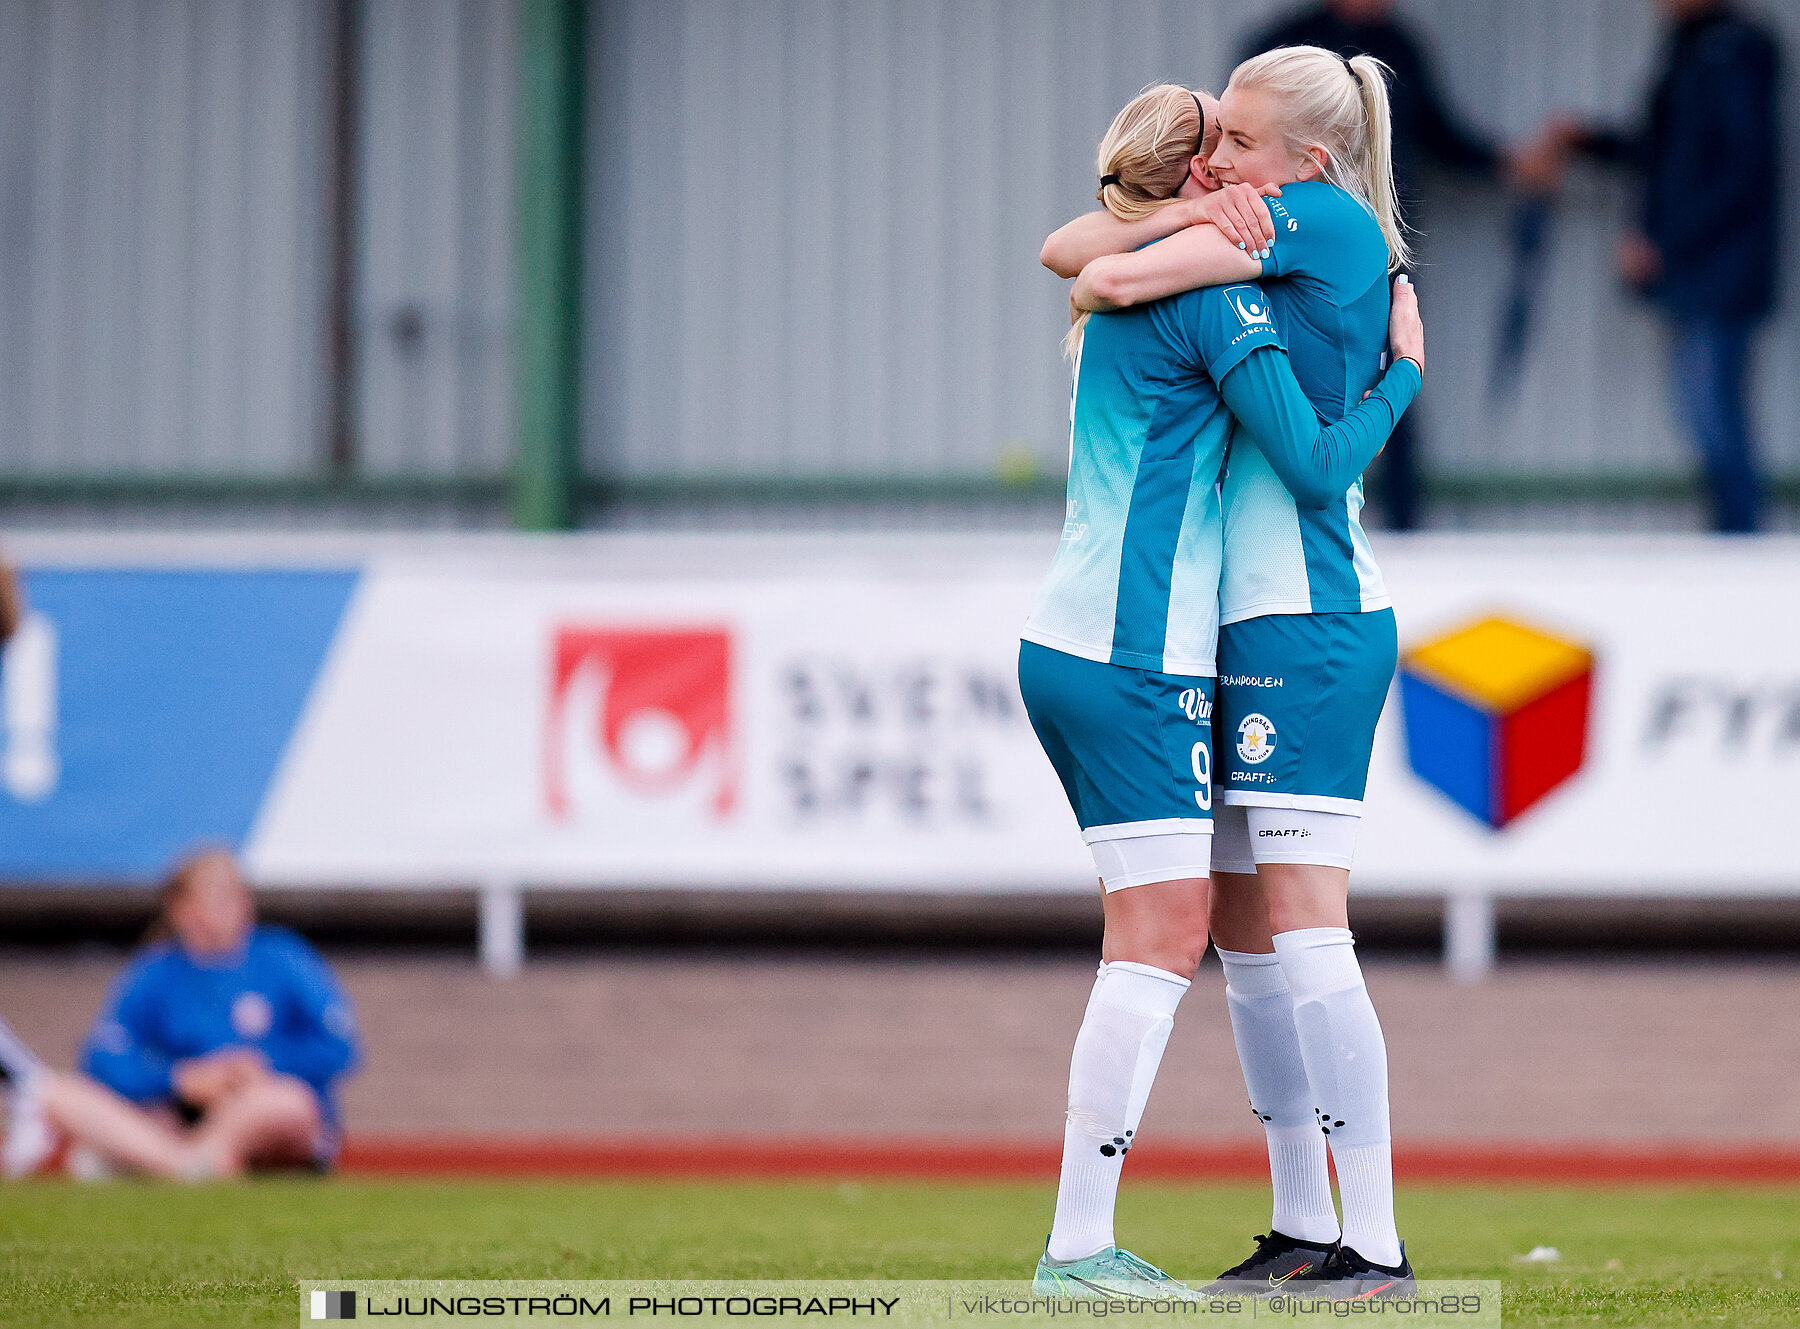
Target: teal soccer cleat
point(1107, 1273)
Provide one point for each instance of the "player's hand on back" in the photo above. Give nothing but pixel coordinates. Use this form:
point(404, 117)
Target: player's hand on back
point(1240, 214)
point(1406, 331)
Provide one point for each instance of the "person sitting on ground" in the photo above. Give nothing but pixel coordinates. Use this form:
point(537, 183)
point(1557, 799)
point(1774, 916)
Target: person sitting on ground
point(218, 1051)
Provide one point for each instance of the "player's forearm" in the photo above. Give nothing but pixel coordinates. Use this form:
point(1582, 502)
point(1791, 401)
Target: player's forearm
point(1093, 235)
point(315, 1055)
point(1316, 462)
point(1197, 256)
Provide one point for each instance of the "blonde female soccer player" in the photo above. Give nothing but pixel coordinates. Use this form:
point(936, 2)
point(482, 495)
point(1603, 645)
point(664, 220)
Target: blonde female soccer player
point(1306, 647)
point(1117, 661)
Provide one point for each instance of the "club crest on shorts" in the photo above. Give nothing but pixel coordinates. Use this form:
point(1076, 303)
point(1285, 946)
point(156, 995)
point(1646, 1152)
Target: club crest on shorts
point(1256, 739)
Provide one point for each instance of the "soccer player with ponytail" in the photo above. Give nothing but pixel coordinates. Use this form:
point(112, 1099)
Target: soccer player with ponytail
point(1306, 648)
point(1117, 663)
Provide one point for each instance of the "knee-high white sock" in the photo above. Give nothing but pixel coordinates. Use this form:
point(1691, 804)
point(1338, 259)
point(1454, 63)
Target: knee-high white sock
point(1346, 1066)
point(1129, 1016)
point(1262, 1023)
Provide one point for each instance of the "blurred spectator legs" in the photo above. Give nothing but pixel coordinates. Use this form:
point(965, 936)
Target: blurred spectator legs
point(1710, 359)
point(1396, 478)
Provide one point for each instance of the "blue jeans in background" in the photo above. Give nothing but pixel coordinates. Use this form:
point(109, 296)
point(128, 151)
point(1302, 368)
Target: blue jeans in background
point(1710, 358)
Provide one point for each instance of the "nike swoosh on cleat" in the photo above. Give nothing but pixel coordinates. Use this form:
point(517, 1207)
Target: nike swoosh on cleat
point(1277, 1282)
point(1102, 1290)
point(1375, 1290)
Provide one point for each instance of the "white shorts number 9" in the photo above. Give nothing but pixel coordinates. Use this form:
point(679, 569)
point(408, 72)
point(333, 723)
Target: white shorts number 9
point(1201, 759)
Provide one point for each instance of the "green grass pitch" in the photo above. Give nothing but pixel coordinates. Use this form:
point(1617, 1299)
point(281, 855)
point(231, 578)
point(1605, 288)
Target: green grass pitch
point(157, 1255)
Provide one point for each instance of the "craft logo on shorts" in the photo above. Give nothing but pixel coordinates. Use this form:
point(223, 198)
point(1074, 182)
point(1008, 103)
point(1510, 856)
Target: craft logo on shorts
point(1250, 306)
point(333, 1305)
point(1496, 715)
point(1256, 739)
point(651, 707)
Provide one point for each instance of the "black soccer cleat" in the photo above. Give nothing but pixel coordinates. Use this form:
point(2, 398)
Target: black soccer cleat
point(1349, 1277)
point(1279, 1260)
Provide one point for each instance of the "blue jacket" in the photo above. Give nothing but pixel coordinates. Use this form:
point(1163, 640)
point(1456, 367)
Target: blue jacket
point(1709, 159)
point(277, 996)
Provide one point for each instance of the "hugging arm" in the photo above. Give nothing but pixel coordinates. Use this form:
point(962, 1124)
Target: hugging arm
point(1239, 211)
point(1198, 256)
point(1096, 234)
point(1316, 462)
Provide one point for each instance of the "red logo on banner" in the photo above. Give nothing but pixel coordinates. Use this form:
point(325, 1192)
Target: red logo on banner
point(665, 705)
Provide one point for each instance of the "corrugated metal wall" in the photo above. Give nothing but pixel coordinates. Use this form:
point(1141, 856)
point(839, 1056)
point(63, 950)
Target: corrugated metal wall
point(434, 271)
point(165, 236)
point(815, 231)
point(161, 265)
point(813, 234)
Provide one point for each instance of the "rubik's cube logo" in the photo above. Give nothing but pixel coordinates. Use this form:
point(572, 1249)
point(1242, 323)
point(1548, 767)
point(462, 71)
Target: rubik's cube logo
point(1496, 715)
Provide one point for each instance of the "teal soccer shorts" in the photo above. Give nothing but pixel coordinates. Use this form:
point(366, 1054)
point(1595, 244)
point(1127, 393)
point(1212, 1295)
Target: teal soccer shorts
point(1299, 697)
point(1133, 750)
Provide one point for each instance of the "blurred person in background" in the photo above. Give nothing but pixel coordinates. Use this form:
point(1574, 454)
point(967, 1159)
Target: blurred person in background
point(1705, 244)
point(12, 601)
point(218, 1050)
point(1426, 131)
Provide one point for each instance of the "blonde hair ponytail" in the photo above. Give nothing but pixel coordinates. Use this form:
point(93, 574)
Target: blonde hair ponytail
point(1340, 105)
point(1143, 160)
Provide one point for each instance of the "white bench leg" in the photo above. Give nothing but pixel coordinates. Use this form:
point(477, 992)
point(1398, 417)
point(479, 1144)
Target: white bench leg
point(1469, 935)
point(502, 928)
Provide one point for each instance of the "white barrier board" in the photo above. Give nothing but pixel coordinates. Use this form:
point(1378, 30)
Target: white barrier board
point(834, 713)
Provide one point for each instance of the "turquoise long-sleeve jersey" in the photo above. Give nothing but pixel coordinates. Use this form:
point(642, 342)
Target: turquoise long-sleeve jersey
point(1292, 547)
point(1135, 580)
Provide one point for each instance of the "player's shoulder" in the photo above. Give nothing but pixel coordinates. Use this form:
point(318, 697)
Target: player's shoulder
point(150, 970)
point(272, 942)
point(1201, 308)
point(1244, 299)
point(1318, 204)
point(153, 961)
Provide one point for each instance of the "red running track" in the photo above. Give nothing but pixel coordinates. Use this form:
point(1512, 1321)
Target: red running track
point(902, 1158)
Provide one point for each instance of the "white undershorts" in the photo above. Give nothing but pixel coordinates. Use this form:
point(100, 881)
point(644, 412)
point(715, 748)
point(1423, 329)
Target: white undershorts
point(1244, 836)
point(1139, 860)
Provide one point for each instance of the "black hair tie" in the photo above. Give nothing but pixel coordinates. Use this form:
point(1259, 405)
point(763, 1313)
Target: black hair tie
point(1110, 179)
point(1350, 69)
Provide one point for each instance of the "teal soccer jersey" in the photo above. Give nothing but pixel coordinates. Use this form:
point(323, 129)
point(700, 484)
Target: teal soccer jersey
point(1284, 557)
point(1135, 580)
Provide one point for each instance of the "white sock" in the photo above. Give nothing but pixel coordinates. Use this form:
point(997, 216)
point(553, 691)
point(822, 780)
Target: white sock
point(1129, 1015)
point(18, 1063)
point(1346, 1066)
point(1262, 1023)
point(30, 1139)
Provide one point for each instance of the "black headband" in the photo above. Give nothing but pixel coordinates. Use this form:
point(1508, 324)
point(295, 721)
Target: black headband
point(1112, 177)
point(1200, 142)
